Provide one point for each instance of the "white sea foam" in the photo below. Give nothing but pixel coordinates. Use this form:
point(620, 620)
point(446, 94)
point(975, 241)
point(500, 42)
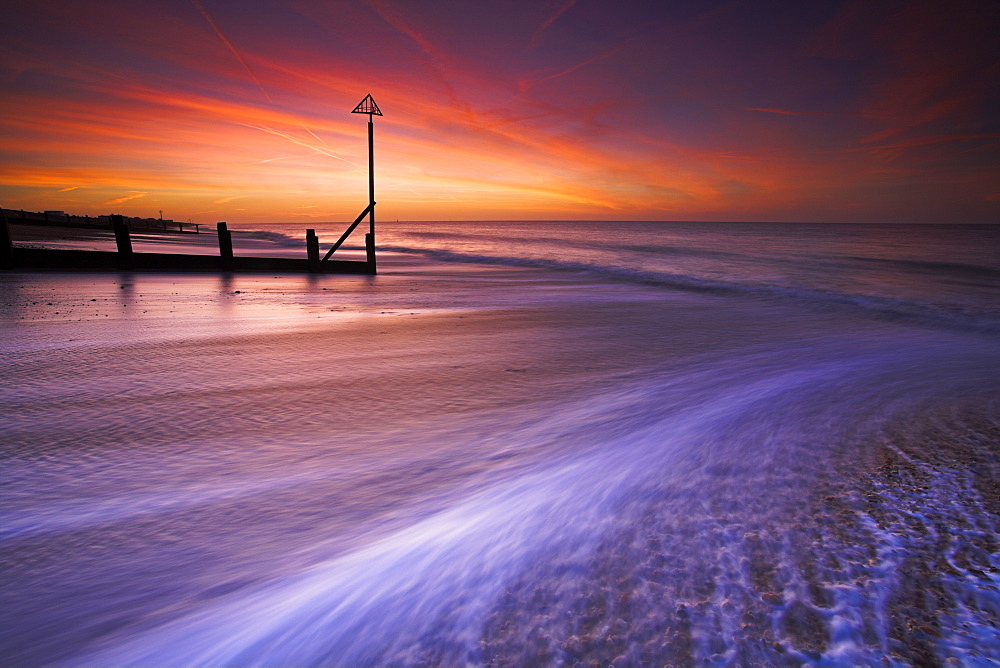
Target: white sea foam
point(440, 577)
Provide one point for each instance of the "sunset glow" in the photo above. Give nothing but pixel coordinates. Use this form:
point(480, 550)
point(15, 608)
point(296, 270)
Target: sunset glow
point(208, 110)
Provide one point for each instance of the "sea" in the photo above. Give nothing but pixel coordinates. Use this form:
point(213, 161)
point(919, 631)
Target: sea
point(521, 443)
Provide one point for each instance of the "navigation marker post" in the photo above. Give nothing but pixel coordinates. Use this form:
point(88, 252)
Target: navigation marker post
point(366, 106)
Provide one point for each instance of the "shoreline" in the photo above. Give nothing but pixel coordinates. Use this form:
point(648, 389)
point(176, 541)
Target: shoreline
point(738, 488)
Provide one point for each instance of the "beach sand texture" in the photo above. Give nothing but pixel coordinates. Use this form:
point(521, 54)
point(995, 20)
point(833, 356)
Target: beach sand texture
point(492, 462)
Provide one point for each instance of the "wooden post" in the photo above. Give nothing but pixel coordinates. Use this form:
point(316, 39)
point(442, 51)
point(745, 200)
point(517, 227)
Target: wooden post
point(6, 246)
point(370, 251)
point(225, 246)
point(312, 246)
point(123, 241)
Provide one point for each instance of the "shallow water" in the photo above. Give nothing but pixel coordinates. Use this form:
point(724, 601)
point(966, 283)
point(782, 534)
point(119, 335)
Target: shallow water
point(471, 464)
point(939, 270)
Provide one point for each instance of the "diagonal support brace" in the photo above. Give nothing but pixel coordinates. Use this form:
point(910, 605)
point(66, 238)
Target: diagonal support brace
point(346, 234)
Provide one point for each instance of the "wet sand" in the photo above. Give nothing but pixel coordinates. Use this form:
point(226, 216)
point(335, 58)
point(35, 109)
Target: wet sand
point(52, 236)
point(907, 516)
point(604, 474)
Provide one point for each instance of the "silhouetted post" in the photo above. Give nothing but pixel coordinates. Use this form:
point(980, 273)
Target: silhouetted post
point(123, 241)
point(368, 106)
point(312, 246)
point(225, 246)
point(6, 246)
point(370, 237)
point(371, 178)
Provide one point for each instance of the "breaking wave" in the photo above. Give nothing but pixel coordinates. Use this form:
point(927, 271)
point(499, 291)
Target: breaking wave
point(922, 312)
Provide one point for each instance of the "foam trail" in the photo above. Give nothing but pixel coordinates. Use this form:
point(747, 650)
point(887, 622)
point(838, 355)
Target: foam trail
point(441, 575)
point(370, 605)
point(75, 516)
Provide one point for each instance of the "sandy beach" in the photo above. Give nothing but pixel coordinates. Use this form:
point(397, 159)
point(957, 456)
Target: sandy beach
point(456, 462)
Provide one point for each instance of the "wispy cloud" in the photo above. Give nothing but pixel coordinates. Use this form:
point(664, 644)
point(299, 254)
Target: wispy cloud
point(527, 83)
point(540, 32)
point(66, 190)
point(125, 198)
point(789, 112)
point(239, 56)
point(300, 142)
point(393, 17)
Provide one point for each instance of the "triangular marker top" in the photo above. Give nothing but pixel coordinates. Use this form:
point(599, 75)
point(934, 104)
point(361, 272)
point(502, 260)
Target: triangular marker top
point(367, 106)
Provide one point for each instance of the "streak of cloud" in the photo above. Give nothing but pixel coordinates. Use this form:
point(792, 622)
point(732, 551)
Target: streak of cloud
point(239, 56)
point(788, 112)
point(299, 142)
point(435, 57)
point(393, 17)
point(125, 198)
point(527, 83)
point(542, 29)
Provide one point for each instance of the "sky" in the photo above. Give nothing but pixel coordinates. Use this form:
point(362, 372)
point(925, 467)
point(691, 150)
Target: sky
point(212, 110)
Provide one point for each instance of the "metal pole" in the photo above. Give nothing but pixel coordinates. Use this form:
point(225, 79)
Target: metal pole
point(371, 179)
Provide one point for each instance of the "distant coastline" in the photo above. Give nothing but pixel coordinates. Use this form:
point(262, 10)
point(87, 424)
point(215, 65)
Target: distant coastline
point(103, 222)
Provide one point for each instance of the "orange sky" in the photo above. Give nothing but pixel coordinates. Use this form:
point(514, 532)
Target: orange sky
point(208, 110)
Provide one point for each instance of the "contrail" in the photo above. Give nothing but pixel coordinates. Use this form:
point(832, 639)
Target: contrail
point(318, 138)
point(545, 26)
point(299, 142)
point(218, 31)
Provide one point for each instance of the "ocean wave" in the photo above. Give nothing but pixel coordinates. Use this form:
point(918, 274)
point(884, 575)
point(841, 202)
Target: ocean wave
point(925, 265)
point(562, 242)
point(286, 241)
point(921, 312)
point(276, 238)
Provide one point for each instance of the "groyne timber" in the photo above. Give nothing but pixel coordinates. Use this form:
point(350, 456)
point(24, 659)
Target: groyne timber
point(125, 259)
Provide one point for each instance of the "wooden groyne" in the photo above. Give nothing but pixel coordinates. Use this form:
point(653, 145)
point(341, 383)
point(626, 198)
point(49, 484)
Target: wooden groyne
point(124, 259)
